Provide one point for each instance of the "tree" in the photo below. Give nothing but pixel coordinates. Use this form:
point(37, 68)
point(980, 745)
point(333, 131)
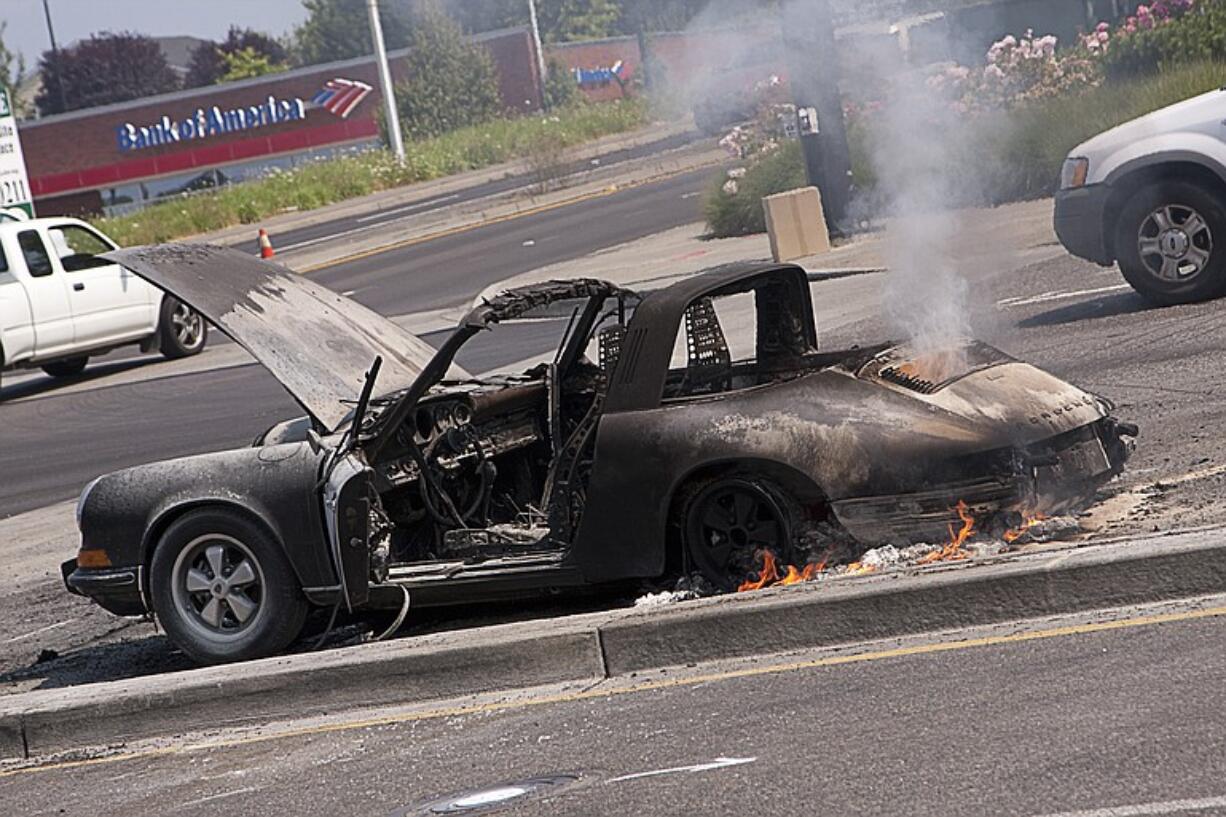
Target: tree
point(564, 21)
point(560, 20)
point(340, 29)
point(247, 63)
point(12, 72)
point(105, 68)
point(209, 62)
point(451, 81)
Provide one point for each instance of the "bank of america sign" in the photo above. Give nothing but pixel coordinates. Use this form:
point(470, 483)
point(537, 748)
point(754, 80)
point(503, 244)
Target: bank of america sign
point(339, 97)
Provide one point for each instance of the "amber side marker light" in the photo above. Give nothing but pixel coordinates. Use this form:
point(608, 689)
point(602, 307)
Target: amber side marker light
point(93, 557)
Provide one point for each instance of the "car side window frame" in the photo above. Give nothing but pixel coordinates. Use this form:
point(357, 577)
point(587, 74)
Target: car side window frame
point(93, 261)
point(42, 247)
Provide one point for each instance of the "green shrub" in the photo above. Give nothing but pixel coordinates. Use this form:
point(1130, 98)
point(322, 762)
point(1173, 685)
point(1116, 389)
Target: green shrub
point(560, 89)
point(1198, 35)
point(739, 212)
point(452, 82)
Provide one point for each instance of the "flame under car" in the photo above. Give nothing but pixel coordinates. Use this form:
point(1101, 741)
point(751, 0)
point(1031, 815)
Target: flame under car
point(687, 429)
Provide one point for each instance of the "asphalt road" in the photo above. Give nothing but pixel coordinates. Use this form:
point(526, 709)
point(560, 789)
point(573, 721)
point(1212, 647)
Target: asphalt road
point(1022, 720)
point(56, 443)
point(351, 225)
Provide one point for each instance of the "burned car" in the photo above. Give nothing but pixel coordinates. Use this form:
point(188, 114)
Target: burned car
point(648, 444)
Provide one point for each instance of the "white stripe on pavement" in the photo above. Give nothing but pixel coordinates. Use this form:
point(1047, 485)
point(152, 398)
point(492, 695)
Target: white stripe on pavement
point(1044, 297)
point(1144, 809)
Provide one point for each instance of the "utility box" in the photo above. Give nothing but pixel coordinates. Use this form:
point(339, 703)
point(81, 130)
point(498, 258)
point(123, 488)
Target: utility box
point(796, 224)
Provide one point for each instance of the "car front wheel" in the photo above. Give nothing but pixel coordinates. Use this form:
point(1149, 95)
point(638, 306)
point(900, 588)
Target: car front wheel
point(223, 590)
point(182, 331)
point(1171, 243)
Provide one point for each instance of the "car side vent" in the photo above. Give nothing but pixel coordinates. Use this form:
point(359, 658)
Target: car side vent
point(706, 346)
point(628, 361)
point(610, 342)
point(911, 382)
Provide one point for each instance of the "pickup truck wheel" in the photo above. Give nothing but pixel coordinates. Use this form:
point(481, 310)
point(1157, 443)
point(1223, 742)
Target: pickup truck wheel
point(1171, 243)
point(182, 332)
point(66, 368)
point(730, 521)
point(223, 590)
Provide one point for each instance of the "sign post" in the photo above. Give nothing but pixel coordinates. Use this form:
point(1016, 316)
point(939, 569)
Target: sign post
point(14, 183)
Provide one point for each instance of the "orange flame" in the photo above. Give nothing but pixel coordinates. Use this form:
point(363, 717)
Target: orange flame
point(1029, 520)
point(768, 576)
point(858, 569)
point(953, 551)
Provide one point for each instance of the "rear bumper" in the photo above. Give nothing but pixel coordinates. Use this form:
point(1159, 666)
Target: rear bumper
point(1052, 476)
point(117, 590)
point(1080, 222)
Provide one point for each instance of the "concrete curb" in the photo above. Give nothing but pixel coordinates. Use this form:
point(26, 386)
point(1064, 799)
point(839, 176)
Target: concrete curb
point(1041, 582)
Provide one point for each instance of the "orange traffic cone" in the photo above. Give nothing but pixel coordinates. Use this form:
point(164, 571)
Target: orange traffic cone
point(266, 250)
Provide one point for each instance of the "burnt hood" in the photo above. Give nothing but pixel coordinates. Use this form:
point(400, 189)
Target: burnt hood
point(317, 343)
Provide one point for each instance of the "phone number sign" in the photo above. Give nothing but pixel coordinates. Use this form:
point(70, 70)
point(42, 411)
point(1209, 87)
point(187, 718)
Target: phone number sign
point(14, 183)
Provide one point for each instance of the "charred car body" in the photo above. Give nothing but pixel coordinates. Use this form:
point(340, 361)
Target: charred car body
point(647, 445)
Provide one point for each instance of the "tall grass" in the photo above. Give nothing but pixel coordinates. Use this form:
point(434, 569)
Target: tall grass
point(327, 181)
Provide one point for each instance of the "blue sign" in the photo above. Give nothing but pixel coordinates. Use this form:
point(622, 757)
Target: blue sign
point(587, 77)
point(209, 122)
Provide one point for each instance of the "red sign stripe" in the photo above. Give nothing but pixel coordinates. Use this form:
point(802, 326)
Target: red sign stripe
point(209, 154)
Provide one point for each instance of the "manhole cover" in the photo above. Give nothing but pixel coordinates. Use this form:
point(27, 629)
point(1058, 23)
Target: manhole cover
point(478, 800)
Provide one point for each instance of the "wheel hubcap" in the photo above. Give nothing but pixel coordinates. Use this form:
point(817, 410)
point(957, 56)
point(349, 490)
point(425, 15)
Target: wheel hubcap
point(187, 325)
point(1175, 243)
point(218, 585)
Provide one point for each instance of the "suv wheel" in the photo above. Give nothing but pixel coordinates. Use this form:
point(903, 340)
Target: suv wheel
point(1171, 243)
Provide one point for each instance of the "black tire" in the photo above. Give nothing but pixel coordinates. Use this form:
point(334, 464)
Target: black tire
point(183, 585)
point(728, 521)
point(67, 368)
point(1177, 266)
point(182, 331)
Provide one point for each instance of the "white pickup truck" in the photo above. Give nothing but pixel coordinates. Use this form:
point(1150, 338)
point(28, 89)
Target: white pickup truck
point(60, 303)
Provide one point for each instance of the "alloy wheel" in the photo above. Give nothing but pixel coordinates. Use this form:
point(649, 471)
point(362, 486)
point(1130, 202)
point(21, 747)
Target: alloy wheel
point(188, 326)
point(218, 585)
point(1175, 243)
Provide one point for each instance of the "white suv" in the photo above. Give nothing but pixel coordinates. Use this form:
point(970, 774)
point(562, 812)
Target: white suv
point(1151, 194)
point(60, 303)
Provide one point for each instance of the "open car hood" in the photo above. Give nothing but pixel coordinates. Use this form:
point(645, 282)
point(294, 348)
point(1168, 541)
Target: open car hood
point(317, 343)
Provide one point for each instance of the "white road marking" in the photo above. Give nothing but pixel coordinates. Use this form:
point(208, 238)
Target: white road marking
point(213, 797)
point(408, 208)
point(33, 633)
point(1056, 295)
point(718, 763)
point(1143, 809)
point(348, 292)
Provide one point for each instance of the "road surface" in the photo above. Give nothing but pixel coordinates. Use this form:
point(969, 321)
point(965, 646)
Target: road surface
point(1049, 718)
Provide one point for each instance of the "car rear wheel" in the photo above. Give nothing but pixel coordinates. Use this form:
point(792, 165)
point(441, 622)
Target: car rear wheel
point(67, 368)
point(182, 331)
point(223, 589)
point(1171, 243)
point(729, 522)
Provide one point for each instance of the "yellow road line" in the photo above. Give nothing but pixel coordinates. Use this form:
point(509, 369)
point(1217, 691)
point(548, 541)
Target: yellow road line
point(646, 686)
point(531, 211)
